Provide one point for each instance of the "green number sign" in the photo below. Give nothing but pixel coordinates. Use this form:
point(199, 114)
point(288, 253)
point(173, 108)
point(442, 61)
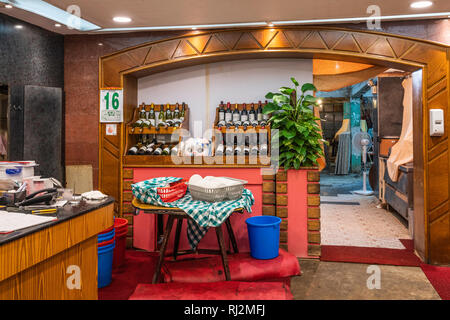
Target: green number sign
point(111, 105)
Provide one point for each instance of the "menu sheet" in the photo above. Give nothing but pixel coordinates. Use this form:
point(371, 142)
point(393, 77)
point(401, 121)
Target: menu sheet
point(12, 221)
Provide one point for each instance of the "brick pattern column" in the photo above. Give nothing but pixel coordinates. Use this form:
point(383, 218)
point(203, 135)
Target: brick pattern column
point(281, 206)
point(127, 208)
point(313, 189)
point(268, 195)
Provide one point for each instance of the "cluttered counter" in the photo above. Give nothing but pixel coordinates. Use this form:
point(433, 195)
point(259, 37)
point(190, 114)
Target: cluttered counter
point(55, 259)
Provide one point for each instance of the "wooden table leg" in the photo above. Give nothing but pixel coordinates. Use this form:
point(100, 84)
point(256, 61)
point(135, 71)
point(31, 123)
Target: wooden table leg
point(177, 237)
point(223, 252)
point(231, 235)
point(163, 249)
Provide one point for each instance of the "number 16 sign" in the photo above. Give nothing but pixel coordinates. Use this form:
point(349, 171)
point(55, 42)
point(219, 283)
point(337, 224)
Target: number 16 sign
point(111, 105)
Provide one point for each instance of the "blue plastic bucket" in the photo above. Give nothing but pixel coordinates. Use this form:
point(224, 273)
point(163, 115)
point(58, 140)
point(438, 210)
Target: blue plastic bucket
point(106, 236)
point(264, 236)
point(105, 261)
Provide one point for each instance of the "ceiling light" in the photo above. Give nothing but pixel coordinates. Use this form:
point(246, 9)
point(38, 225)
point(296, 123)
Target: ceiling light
point(122, 19)
point(46, 10)
point(100, 44)
point(57, 25)
point(421, 4)
point(203, 26)
point(18, 26)
point(319, 101)
point(194, 28)
point(270, 24)
point(8, 6)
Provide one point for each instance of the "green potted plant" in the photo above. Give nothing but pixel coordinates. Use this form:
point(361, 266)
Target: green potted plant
point(299, 134)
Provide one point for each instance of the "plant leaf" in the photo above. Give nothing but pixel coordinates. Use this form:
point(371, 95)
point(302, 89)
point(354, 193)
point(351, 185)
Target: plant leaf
point(308, 87)
point(294, 81)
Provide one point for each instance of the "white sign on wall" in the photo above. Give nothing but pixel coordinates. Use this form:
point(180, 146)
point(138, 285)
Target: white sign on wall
point(111, 105)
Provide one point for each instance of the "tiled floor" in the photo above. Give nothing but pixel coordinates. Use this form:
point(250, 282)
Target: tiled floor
point(348, 281)
point(353, 220)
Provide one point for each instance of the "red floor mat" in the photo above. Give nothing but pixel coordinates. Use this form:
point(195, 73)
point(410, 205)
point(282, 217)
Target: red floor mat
point(242, 268)
point(139, 268)
point(224, 290)
point(396, 257)
point(439, 278)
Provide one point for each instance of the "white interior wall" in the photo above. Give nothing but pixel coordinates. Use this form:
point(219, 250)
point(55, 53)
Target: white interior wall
point(202, 87)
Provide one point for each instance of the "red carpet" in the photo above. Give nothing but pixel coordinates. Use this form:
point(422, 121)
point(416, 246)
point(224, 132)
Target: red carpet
point(396, 257)
point(439, 278)
point(140, 266)
point(242, 268)
point(224, 290)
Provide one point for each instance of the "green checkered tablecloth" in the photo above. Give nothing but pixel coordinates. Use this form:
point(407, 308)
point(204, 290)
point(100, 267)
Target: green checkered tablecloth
point(204, 214)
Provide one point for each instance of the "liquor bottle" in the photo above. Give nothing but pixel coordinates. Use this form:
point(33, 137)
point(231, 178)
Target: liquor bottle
point(151, 147)
point(162, 118)
point(266, 116)
point(151, 116)
point(221, 124)
point(158, 150)
point(229, 150)
point(221, 112)
point(139, 122)
point(166, 150)
point(183, 111)
point(244, 113)
point(239, 146)
point(236, 114)
point(263, 123)
point(246, 124)
point(228, 114)
point(142, 150)
point(252, 114)
point(259, 114)
point(146, 122)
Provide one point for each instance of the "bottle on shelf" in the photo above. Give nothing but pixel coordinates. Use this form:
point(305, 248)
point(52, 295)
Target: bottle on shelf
point(221, 124)
point(140, 122)
point(263, 123)
point(182, 112)
point(246, 145)
point(266, 116)
point(228, 114)
point(252, 114)
point(176, 112)
point(158, 150)
point(152, 116)
point(169, 119)
point(263, 146)
point(151, 147)
point(246, 124)
point(239, 146)
point(221, 112)
point(236, 115)
point(259, 112)
point(166, 150)
point(134, 149)
point(244, 113)
point(162, 118)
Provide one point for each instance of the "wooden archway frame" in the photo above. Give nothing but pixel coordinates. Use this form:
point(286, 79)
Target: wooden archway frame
point(431, 90)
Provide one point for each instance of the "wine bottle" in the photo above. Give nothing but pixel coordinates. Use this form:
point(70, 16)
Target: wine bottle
point(151, 116)
point(236, 114)
point(263, 124)
point(133, 150)
point(229, 150)
point(259, 114)
point(162, 118)
point(166, 150)
point(158, 150)
point(246, 124)
point(183, 111)
point(228, 114)
point(266, 116)
point(221, 112)
point(176, 112)
point(142, 150)
point(252, 114)
point(244, 113)
point(221, 124)
point(220, 149)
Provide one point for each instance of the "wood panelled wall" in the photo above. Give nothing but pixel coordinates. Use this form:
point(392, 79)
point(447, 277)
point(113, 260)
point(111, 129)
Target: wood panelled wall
point(81, 55)
point(314, 42)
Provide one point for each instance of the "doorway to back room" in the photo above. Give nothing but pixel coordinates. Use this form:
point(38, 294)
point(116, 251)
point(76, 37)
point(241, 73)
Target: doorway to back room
point(367, 184)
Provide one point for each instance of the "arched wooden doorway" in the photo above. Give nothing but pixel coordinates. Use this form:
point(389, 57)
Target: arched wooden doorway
point(431, 90)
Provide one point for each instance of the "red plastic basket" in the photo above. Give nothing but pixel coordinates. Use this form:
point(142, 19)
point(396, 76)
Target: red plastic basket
point(175, 191)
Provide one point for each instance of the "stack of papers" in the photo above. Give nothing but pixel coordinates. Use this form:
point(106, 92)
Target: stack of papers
point(12, 221)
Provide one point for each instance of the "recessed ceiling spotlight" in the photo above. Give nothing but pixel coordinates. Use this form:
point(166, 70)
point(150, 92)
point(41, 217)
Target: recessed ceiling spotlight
point(57, 25)
point(18, 26)
point(122, 19)
point(194, 28)
point(8, 6)
point(100, 44)
point(270, 24)
point(421, 4)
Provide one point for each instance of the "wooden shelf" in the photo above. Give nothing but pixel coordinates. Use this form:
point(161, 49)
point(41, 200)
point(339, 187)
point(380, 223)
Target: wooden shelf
point(166, 161)
point(152, 130)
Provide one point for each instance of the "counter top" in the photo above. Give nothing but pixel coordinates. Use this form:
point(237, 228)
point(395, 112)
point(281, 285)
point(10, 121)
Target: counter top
point(63, 214)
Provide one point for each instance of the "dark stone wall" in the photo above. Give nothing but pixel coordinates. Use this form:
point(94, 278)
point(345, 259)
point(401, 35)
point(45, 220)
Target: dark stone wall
point(32, 56)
